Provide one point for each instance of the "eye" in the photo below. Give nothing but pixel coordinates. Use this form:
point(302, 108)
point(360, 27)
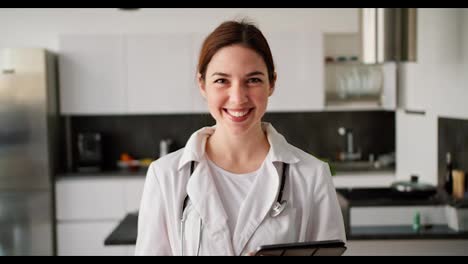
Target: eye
point(221, 81)
point(254, 80)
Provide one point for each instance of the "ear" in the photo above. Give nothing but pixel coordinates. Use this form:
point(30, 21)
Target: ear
point(201, 85)
point(272, 85)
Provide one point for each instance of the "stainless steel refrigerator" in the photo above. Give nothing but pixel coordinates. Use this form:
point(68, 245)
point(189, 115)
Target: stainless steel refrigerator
point(28, 144)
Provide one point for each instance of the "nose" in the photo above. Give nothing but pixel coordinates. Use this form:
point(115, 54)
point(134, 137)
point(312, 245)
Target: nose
point(238, 93)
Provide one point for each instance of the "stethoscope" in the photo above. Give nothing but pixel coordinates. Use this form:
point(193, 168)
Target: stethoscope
point(277, 208)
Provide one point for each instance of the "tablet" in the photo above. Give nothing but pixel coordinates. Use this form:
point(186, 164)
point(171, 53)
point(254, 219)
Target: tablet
point(313, 248)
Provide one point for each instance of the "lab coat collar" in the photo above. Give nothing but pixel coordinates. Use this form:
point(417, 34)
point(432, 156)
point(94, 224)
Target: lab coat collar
point(206, 199)
point(280, 149)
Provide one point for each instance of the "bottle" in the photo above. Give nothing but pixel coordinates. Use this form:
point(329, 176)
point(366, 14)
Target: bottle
point(449, 178)
point(417, 222)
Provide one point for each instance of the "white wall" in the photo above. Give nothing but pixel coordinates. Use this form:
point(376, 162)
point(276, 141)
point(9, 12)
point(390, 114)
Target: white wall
point(28, 27)
point(441, 90)
point(463, 85)
point(465, 35)
point(451, 92)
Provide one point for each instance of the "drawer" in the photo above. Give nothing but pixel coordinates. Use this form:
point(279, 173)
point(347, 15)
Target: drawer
point(87, 239)
point(90, 199)
point(133, 189)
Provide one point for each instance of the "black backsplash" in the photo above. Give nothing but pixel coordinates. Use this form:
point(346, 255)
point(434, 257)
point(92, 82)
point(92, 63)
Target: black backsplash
point(453, 138)
point(314, 132)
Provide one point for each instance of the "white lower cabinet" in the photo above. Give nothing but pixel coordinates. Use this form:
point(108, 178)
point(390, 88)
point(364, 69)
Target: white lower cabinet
point(87, 238)
point(89, 208)
point(415, 247)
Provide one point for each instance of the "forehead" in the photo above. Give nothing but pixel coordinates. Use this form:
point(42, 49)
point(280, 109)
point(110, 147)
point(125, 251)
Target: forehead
point(236, 59)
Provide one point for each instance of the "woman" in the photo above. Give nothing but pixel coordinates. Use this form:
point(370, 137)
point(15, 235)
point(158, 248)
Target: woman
point(239, 184)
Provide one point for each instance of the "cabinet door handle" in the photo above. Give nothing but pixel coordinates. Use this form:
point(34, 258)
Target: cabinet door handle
point(415, 112)
point(8, 71)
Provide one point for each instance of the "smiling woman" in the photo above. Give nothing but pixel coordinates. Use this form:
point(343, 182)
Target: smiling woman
point(237, 97)
point(239, 184)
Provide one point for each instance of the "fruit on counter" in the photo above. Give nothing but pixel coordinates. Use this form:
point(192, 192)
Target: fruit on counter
point(146, 162)
point(125, 157)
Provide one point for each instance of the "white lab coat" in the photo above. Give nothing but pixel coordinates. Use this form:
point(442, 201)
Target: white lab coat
point(312, 212)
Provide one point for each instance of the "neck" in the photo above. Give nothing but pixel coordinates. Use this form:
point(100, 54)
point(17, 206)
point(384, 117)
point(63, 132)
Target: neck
point(226, 148)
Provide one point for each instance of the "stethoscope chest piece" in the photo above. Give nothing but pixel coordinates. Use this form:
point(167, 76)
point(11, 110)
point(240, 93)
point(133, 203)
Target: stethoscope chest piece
point(278, 208)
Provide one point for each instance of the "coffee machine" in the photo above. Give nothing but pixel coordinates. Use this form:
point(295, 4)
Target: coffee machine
point(89, 147)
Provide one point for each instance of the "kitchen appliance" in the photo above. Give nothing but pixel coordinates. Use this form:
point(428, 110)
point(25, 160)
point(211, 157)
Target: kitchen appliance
point(28, 137)
point(89, 146)
point(414, 188)
point(388, 34)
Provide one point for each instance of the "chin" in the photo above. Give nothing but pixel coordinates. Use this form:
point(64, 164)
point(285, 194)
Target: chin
point(241, 128)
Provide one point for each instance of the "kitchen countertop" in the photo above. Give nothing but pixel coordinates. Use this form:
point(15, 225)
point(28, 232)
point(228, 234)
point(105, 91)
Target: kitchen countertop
point(113, 173)
point(363, 179)
point(362, 197)
point(125, 233)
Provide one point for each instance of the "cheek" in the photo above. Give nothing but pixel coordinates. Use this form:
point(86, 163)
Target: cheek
point(260, 98)
point(215, 100)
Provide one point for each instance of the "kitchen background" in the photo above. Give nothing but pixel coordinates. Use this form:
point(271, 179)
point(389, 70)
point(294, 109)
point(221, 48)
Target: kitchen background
point(113, 68)
point(139, 136)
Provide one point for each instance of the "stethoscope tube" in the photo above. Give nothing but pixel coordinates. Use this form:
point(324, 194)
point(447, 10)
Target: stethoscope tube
point(280, 204)
point(276, 210)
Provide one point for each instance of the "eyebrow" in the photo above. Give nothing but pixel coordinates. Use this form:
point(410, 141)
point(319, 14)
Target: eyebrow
point(248, 75)
point(255, 73)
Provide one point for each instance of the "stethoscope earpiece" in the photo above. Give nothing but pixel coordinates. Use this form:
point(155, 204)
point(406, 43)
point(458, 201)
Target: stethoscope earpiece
point(278, 208)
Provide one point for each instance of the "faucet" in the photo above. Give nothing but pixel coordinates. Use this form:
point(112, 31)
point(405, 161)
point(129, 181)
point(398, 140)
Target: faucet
point(164, 146)
point(349, 154)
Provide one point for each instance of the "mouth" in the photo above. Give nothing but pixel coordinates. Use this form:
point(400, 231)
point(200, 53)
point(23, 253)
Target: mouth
point(238, 115)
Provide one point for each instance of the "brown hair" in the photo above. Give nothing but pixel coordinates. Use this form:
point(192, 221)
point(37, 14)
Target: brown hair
point(233, 32)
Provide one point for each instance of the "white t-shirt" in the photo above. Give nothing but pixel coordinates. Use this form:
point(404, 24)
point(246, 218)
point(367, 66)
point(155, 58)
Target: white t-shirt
point(232, 188)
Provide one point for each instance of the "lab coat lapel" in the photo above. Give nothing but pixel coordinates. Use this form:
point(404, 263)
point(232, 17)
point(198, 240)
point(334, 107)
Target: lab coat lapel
point(204, 196)
point(256, 206)
point(263, 195)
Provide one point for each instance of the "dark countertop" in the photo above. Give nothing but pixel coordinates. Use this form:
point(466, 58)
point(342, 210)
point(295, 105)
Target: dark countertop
point(126, 232)
point(362, 197)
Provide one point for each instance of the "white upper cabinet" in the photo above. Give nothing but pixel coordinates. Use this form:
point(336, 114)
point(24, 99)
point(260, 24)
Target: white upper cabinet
point(298, 58)
point(92, 75)
point(435, 82)
point(156, 74)
point(159, 73)
point(133, 74)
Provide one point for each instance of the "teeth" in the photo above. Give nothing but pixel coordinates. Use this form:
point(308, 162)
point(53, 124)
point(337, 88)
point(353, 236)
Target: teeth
point(238, 114)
